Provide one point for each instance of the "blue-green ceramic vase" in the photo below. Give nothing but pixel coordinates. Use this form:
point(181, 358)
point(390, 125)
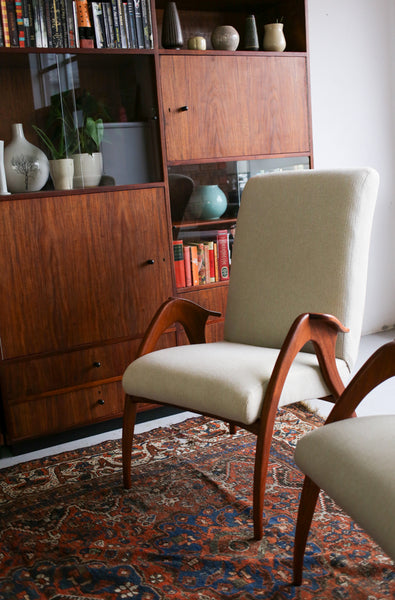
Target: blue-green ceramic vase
point(207, 202)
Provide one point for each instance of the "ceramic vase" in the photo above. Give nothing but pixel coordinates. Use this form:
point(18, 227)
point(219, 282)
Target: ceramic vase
point(251, 41)
point(172, 37)
point(225, 37)
point(3, 181)
point(26, 166)
point(62, 171)
point(88, 169)
point(273, 39)
point(207, 202)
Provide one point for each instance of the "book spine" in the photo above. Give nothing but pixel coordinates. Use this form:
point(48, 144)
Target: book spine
point(179, 269)
point(85, 29)
point(108, 25)
point(127, 24)
point(1, 32)
point(187, 265)
point(12, 24)
point(139, 23)
point(147, 26)
point(43, 25)
point(98, 24)
point(194, 265)
point(27, 23)
point(132, 22)
point(223, 254)
point(20, 23)
point(122, 24)
point(55, 24)
point(69, 27)
point(4, 20)
point(76, 31)
point(116, 24)
point(211, 258)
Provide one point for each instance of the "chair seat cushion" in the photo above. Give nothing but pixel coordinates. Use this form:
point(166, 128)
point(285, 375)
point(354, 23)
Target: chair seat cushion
point(353, 461)
point(224, 379)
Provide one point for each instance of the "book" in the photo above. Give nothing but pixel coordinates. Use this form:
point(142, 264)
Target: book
point(55, 39)
point(108, 25)
point(27, 10)
point(139, 23)
point(122, 25)
point(85, 29)
point(132, 23)
point(179, 268)
point(42, 24)
point(211, 259)
point(116, 23)
point(69, 27)
point(194, 265)
point(12, 23)
point(1, 33)
point(20, 23)
point(223, 254)
point(4, 22)
point(76, 31)
point(98, 24)
point(187, 266)
point(147, 24)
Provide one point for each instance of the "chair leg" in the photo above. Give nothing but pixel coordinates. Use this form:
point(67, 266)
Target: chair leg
point(308, 501)
point(129, 420)
point(262, 453)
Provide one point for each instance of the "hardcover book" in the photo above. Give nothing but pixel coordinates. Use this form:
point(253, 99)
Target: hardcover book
point(179, 268)
point(223, 254)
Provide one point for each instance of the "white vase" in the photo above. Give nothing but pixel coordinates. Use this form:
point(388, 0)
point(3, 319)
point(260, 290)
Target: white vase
point(62, 171)
point(3, 181)
point(26, 166)
point(273, 39)
point(88, 169)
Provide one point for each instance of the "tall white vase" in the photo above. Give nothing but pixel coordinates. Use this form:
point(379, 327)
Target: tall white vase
point(3, 182)
point(26, 166)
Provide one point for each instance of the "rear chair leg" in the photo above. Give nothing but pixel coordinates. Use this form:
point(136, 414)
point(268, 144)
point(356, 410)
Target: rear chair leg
point(129, 420)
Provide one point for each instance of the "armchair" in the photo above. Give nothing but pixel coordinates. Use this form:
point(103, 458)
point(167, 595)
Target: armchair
point(298, 275)
point(353, 461)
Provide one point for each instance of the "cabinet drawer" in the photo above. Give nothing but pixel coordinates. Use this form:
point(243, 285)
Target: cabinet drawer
point(27, 379)
point(54, 414)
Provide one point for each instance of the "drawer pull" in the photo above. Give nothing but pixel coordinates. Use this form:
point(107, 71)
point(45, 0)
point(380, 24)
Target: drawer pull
point(100, 401)
point(97, 364)
point(150, 261)
point(183, 108)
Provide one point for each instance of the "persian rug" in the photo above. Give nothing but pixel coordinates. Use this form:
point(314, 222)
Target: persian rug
point(184, 531)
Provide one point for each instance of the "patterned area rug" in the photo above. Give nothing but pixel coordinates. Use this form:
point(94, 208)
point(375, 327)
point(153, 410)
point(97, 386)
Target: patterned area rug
point(69, 530)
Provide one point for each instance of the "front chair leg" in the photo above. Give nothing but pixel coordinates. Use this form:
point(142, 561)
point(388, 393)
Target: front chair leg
point(262, 453)
point(308, 501)
point(129, 420)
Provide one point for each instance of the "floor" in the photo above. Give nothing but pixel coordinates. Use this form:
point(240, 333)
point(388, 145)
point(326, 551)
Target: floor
point(379, 401)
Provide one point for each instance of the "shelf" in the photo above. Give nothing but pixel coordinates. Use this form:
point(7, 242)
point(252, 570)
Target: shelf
point(213, 224)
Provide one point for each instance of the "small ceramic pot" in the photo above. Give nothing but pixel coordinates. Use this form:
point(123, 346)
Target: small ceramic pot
point(273, 39)
point(197, 42)
point(225, 37)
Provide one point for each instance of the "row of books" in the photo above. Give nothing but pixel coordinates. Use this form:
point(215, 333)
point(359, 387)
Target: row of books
point(76, 24)
point(202, 262)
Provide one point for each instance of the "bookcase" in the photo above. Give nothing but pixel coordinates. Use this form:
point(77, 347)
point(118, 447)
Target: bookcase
point(84, 269)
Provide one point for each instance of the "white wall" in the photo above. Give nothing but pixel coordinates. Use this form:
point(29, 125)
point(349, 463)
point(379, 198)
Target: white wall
point(352, 62)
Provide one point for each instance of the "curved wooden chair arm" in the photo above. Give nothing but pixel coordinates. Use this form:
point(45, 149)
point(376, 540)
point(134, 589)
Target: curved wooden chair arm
point(320, 329)
point(177, 310)
point(379, 367)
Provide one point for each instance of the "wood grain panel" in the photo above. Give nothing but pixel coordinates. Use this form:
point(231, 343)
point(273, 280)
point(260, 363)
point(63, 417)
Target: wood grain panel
point(237, 106)
point(75, 269)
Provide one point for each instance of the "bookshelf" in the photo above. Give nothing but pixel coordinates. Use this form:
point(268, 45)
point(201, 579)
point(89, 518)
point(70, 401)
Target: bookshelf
point(84, 269)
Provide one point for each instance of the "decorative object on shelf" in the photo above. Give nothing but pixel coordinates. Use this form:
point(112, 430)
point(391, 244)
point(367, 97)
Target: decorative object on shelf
point(3, 182)
point(273, 39)
point(172, 37)
point(251, 40)
point(197, 42)
point(225, 37)
point(207, 202)
point(26, 166)
point(88, 169)
point(62, 171)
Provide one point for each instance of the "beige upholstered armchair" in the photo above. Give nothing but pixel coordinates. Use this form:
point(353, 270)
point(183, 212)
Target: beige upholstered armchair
point(353, 460)
point(299, 271)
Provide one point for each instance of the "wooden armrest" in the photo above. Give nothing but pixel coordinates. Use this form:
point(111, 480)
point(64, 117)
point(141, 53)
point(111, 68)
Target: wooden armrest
point(379, 367)
point(177, 310)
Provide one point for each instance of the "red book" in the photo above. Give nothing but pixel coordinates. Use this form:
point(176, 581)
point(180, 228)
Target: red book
point(194, 265)
point(223, 254)
point(179, 268)
point(187, 265)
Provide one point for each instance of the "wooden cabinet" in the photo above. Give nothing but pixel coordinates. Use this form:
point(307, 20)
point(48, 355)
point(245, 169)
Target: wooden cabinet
point(234, 106)
point(84, 270)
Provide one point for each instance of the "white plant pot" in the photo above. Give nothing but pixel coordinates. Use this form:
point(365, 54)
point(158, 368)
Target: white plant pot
point(62, 171)
point(88, 169)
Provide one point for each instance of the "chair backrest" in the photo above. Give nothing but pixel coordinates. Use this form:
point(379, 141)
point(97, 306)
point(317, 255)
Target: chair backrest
point(301, 245)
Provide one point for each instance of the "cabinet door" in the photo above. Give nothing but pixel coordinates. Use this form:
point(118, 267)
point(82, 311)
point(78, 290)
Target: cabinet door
point(80, 269)
point(234, 106)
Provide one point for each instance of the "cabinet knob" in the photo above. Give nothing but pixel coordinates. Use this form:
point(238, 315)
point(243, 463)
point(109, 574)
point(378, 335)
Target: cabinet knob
point(183, 108)
point(150, 261)
point(100, 401)
point(97, 364)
